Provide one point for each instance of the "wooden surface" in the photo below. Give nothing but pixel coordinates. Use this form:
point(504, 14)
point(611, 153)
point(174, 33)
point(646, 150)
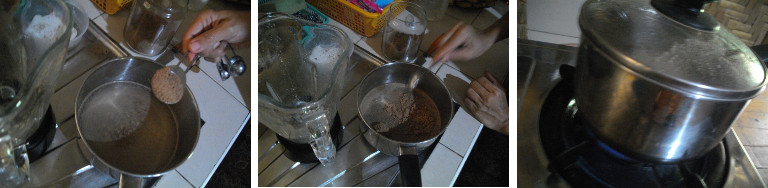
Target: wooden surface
point(747, 19)
point(752, 129)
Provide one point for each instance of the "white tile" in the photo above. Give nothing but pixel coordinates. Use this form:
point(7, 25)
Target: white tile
point(224, 117)
point(456, 82)
point(232, 88)
point(173, 179)
point(88, 7)
point(554, 16)
point(461, 133)
point(350, 102)
point(444, 161)
point(63, 101)
point(551, 38)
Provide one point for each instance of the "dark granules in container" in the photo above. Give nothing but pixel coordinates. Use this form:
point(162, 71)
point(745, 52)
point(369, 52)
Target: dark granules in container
point(423, 121)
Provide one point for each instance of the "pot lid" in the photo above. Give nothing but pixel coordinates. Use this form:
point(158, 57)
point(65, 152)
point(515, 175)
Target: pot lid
point(676, 44)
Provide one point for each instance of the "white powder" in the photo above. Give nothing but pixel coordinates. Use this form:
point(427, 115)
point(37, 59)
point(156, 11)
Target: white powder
point(45, 27)
point(324, 55)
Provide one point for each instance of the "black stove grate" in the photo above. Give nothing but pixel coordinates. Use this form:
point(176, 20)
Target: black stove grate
point(583, 161)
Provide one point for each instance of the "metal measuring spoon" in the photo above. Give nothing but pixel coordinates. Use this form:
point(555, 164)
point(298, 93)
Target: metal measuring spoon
point(168, 82)
point(234, 66)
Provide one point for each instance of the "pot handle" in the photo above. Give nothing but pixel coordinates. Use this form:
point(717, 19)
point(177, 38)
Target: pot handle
point(127, 181)
point(410, 174)
point(687, 12)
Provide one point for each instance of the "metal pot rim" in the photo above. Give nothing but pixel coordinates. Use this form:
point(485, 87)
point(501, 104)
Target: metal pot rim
point(80, 134)
point(401, 143)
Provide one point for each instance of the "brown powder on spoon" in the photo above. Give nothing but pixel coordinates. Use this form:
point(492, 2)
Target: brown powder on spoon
point(166, 86)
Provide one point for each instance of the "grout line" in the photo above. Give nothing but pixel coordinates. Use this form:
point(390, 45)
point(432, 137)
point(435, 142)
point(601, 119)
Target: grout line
point(460, 155)
point(182, 177)
point(225, 89)
point(553, 33)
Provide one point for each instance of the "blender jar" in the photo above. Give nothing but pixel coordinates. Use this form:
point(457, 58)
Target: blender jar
point(28, 74)
point(152, 24)
point(301, 70)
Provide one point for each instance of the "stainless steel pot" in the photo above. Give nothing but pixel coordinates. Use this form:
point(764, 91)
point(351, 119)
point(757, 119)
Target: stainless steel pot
point(407, 151)
point(132, 135)
point(658, 86)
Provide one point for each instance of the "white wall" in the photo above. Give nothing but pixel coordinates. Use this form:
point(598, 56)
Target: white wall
point(553, 21)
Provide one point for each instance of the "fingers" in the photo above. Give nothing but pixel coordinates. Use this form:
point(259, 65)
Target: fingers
point(453, 39)
point(210, 39)
point(435, 44)
point(488, 86)
point(474, 96)
point(201, 22)
point(481, 90)
point(470, 104)
point(491, 77)
point(215, 55)
point(439, 54)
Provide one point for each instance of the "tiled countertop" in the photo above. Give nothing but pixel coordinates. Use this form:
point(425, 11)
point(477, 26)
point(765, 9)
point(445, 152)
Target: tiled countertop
point(223, 104)
point(449, 155)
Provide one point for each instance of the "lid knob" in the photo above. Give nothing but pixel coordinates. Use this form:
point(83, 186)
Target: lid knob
point(688, 12)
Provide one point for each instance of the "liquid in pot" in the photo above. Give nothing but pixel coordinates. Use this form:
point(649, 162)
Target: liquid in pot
point(128, 128)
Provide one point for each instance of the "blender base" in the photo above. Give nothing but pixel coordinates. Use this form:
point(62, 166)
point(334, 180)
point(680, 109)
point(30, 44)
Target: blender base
point(41, 139)
point(302, 152)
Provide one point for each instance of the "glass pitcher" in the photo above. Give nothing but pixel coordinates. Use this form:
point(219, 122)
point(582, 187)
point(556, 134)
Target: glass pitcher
point(33, 42)
point(301, 70)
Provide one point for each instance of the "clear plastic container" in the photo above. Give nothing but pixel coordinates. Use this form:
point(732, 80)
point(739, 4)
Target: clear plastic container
point(302, 66)
point(402, 36)
point(152, 24)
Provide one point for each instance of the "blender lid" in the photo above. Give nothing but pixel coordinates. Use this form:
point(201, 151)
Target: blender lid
point(676, 44)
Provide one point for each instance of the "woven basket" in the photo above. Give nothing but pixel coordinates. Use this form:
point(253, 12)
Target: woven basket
point(357, 19)
point(747, 19)
point(111, 6)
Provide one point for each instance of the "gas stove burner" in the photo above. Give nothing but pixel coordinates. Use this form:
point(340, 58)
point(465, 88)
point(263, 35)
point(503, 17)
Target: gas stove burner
point(583, 161)
point(39, 142)
point(302, 152)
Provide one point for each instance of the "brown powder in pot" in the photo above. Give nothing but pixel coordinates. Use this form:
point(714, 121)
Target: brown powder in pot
point(166, 86)
point(422, 121)
point(401, 108)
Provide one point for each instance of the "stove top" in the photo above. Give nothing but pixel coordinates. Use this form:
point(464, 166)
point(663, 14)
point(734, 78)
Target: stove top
point(558, 151)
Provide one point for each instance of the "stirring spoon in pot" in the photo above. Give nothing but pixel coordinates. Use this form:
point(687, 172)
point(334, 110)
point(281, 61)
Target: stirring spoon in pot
point(168, 82)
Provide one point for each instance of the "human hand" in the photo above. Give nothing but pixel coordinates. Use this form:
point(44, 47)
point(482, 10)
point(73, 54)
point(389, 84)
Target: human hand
point(210, 28)
point(462, 42)
point(487, 101)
